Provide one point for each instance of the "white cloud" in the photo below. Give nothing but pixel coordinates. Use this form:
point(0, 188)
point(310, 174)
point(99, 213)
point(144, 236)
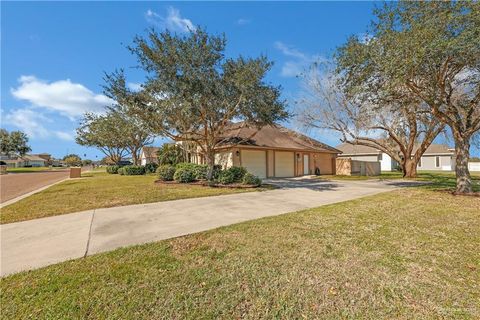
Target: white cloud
point(298, 62)
point(242, 21)
point(69, 99)
point(173, 21)
point(32, 123)
point(134, 86)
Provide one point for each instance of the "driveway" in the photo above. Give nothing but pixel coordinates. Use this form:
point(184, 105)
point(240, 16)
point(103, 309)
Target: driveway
point(41, 242)
point(13, 185)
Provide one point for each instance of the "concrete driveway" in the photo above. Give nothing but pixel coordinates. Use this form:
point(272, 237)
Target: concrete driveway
point(41, 242)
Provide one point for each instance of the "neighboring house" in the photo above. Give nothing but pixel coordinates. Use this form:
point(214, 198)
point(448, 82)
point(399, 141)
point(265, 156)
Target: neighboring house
point(272, 151)
point(436, 157)
point(28, 160)
point(149, 155)
point(34, 160)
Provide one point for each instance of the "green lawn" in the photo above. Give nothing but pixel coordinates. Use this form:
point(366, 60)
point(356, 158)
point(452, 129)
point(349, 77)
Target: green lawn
point(101, 190)
point(34, 169)
point(409, 254)
point(440, 178)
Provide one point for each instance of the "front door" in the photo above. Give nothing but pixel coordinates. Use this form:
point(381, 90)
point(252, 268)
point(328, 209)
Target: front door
point(306, 170)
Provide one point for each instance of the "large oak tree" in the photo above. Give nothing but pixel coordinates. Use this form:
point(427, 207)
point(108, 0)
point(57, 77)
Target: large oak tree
point(429, 50)
point(193, 91)
point(400, 129)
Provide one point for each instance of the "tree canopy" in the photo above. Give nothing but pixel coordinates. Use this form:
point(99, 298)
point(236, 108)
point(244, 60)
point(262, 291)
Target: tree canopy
point(428, 50)
point(14, 143)
point(193, 91)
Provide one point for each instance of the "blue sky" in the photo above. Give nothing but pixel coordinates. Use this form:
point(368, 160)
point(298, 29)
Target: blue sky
point(54, 54)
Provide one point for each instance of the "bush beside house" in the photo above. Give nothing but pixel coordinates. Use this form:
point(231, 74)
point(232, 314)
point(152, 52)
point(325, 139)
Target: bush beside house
point(190, 172)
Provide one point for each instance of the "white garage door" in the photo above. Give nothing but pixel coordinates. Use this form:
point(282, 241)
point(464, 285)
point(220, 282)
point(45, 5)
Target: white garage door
point(284, 164)
point(255, 162)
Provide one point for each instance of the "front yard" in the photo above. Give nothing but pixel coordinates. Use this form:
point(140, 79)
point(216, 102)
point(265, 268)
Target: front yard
point(101, 190)
point(411, 253)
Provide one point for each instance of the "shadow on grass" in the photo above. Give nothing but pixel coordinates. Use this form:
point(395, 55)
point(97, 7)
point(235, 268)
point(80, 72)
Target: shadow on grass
point(445, 181)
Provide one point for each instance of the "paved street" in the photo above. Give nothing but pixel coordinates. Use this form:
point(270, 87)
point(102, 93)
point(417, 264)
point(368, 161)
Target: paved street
point(13, 185)
point(41, 242)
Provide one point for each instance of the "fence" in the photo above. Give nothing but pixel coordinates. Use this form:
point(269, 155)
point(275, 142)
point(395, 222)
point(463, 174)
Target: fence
point(349, 167)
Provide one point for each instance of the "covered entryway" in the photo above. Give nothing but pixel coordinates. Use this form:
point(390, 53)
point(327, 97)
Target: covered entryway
point(284, 164)
point(255, 161)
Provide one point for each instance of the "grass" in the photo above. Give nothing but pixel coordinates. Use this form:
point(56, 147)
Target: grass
point(410, 253)
point(33, 169)
point(439, 178)
point(101, 190)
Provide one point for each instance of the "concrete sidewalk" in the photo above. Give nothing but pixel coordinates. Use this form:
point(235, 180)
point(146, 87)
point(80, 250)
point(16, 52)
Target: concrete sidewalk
point(41, 242)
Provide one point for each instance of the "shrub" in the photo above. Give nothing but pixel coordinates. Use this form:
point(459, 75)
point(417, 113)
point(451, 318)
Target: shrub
point(251, 179)
point(165, 172)
point(200, 172)
point(231, 175)
point(133, 170)
point(113, 169)
point(151, 167)
point(184, 174)
point(121, 171)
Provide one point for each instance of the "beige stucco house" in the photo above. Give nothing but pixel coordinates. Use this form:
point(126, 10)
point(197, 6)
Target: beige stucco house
point(273, 151)
point(149, 155)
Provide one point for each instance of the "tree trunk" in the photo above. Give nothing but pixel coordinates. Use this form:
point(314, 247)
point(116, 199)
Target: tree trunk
point(410, 169)
point(462, 154)
point(210, 159)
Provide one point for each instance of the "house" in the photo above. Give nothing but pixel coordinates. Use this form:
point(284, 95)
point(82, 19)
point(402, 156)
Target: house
point(272, 151)
point(28, 160)
point(34, 160)
point(436, 157)
point(149, 155)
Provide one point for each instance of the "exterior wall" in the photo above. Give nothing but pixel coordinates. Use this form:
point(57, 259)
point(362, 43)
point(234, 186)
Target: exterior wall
point(386, 162)
point(474, 166)
point(225, 159)
point(323, 161)
point(36, 163)
point(428, 162)
point(270, 164)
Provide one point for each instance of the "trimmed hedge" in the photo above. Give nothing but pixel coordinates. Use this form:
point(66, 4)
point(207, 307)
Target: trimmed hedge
point(113, 169)
point(151, 167)
point(184, 174)
point(165, 172)
point(232, 175)
point(251, 179)
point(121, 171)
point(133, 170)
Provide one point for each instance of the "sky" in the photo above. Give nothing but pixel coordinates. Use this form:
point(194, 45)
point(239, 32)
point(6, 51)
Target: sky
point(54, 54)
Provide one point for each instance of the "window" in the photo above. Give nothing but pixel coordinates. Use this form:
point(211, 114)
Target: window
point(437, 161)
point(420, 162)
point(380, 156)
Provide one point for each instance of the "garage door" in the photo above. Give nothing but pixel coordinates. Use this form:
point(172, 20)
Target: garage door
point(255, 162)
point(284, 164)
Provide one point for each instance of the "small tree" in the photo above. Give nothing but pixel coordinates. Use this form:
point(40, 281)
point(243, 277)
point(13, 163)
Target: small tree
point(104, 132)
point(72, 160)
point(14, 143)
point(136, 134)
point(429, 50)
point(171, 154)
point(193, 92)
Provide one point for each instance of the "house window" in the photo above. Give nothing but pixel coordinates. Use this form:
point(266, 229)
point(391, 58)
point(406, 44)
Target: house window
point(380, 157)
point(420, 162)
point(437, 161)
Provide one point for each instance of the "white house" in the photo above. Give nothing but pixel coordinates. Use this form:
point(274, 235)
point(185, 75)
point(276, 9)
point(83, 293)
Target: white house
point(436, 157)
point(149, 155)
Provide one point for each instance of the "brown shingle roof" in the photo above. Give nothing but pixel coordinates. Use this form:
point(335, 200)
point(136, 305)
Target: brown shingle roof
point(272, 137)
point(348, 149)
